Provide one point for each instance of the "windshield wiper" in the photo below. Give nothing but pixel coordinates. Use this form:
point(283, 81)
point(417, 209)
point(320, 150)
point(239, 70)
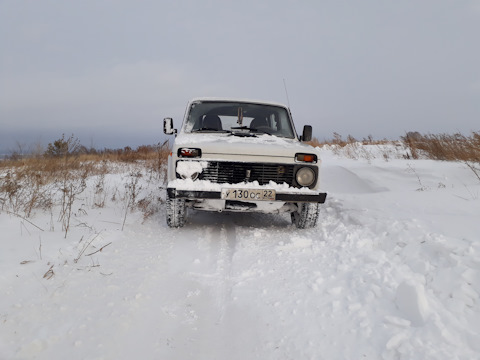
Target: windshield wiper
point(263, 131)
point(211, 129)
point(252, 130)
point(243, 131)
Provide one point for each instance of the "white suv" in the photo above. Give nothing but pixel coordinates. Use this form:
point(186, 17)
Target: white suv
point(239, 155)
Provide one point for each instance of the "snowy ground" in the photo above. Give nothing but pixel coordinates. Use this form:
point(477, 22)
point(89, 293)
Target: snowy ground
point(392, 271)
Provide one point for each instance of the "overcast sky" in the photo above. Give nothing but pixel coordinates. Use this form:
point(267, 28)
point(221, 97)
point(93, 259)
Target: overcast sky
point(109, 71)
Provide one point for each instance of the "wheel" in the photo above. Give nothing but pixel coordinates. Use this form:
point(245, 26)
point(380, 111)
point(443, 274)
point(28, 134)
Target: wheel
point(176, 212)
point(306, 215)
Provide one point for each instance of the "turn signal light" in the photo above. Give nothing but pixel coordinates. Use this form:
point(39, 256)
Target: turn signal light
point(189, 153)
point(309, 158)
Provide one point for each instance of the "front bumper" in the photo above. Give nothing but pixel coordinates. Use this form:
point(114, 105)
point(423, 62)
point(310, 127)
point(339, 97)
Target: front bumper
point(173, 193)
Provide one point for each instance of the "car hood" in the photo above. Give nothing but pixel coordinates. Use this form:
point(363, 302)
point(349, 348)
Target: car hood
point(213, 145)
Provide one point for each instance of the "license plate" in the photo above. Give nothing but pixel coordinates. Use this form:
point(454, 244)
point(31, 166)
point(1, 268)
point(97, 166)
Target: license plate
point(248, 194)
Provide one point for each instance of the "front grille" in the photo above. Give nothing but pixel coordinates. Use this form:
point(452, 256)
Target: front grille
point(233, 172)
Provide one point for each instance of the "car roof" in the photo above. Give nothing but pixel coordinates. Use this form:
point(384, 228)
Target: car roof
point(250, 101)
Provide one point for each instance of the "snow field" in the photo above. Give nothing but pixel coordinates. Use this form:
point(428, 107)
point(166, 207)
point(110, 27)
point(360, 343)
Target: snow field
point(391, 271)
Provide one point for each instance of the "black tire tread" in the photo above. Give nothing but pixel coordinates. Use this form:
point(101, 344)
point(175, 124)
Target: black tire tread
point(176, 212)
point(306, 216)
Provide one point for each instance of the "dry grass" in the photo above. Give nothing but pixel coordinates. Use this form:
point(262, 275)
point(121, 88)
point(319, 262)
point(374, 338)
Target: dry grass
point(58, 177)
point(338, 140)
point(456, 147)
point(352, 148)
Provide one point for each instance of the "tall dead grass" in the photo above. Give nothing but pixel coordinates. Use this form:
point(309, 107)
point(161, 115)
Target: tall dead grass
point(413, 145)
point(352, 148)
point(456, 147)
point(445, 147)
point(58, 177)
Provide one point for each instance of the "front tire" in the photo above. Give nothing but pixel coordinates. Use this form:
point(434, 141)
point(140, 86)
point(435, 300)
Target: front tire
point(306, 215)
point(176, 212)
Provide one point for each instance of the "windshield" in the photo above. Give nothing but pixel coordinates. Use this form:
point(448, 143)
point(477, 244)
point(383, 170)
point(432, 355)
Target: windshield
point(239, 117)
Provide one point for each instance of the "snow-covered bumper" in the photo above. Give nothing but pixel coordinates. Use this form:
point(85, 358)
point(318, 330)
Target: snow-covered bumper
point(310, 196)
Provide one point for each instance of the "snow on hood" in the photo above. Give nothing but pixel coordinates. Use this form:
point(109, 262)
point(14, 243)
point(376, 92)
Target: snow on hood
point(227, 144)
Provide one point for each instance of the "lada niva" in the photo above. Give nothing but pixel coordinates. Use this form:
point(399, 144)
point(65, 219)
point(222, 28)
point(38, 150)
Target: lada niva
point(239, 155)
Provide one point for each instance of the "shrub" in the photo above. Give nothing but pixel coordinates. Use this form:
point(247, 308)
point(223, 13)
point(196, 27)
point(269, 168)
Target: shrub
point(63, 147)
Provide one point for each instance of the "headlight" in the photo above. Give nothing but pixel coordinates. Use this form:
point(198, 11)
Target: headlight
point(305, 176)
point(190, 169)
point(193, 176)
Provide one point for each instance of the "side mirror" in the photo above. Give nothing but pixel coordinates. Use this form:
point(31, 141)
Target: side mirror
point(168, 126)
point(307, 133)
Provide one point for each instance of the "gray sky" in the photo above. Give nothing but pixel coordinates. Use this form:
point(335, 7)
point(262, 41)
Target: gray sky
point(109, 71)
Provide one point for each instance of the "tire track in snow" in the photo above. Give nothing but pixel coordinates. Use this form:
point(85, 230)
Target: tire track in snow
point(207, 288)
point(222, 239)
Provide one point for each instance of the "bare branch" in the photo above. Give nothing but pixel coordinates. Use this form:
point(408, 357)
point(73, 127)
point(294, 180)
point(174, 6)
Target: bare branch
point(103, 247)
